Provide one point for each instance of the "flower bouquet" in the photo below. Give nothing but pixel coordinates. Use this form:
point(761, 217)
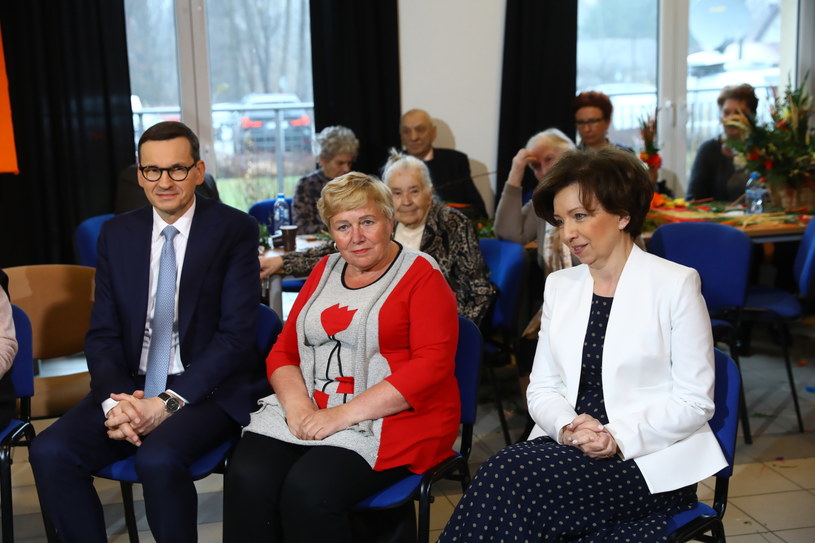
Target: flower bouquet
point(648, 133)
point(782, 152)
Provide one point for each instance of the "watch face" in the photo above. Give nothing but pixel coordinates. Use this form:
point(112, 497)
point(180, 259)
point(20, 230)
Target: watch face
point(171, 405)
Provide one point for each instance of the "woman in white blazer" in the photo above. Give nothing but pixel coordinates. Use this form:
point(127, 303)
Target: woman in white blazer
point(622, 384)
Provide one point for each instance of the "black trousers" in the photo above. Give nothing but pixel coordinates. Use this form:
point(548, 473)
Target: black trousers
point(278, 491)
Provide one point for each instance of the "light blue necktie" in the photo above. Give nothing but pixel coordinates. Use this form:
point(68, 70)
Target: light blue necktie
point(161, 338)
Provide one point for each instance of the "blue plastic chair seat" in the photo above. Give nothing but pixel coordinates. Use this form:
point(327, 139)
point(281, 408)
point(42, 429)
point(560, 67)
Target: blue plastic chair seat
point(125, 469)
point(767, 299)
point(396, 493)
point(13, 425)
point(681, 519)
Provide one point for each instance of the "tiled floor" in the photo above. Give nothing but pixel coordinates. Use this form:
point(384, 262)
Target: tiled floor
point(772, 494)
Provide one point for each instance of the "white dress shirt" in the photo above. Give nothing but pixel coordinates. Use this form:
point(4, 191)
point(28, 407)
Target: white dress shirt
point(183, 225)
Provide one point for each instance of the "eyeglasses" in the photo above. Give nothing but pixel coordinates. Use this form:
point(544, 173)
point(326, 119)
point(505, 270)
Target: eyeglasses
point(589, 122)
point(176, 173)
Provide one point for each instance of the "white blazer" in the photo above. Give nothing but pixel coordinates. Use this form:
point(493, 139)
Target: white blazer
point(658, 369)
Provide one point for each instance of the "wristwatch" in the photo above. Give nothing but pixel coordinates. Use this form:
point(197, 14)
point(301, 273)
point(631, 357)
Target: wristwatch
point(171, 403)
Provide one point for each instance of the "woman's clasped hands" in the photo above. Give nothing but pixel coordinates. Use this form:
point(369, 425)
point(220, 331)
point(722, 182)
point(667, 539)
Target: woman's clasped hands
point(590, 436)
point(308, 422)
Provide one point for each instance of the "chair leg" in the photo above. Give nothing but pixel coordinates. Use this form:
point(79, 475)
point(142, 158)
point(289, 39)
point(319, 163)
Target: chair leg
point(425, 499)
point(5, 496)
point(745, 420)
point(130, 513)
point(499, 405)
point(717, 531)
point(465, 478)
point(785, 347)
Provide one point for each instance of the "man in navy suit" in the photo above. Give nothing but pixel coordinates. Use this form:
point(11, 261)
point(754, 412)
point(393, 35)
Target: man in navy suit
point(209, 341)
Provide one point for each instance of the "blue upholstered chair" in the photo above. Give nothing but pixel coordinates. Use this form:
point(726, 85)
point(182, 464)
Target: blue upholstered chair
point(694, 524)
point(506, 261)
point(85, 237)
point(124, 470)
point(420, 486)
point(19, 431)
point(721, 254)
point(779, 307)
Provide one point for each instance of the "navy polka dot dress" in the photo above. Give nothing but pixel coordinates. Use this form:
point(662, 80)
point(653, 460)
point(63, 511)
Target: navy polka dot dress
point(540, 490)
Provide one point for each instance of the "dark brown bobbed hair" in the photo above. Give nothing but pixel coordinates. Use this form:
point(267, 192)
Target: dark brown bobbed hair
point(593, 99)
point(615, 179)
point(743, 92)
point(170, 130)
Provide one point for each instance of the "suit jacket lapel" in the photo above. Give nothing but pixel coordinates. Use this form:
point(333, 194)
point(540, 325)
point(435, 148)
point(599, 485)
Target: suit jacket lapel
point(135, 269)
point(196, 259)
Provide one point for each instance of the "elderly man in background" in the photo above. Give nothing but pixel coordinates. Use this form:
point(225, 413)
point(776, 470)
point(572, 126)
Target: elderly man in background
point(449, 169)
point(336, 148)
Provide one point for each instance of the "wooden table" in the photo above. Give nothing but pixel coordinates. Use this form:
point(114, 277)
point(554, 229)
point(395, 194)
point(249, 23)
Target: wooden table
point(770, 233)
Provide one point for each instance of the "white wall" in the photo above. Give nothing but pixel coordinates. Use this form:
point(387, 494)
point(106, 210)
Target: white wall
point(451, 56)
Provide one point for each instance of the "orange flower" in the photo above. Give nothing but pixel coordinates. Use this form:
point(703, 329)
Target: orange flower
point(652, 160)
point(658, 200)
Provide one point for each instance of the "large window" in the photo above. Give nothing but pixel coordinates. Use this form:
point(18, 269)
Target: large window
point(617, 55)
point(678, 54)
point(239, 73)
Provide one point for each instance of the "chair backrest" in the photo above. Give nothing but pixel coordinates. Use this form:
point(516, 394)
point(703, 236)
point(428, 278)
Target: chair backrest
point(505, 260)
point(58, 299)
point(719, 252)
point(263, 211)
point(725, 419)
point(804, 266)
point(269, 326)
point(22, 369)
point(85, 237)
point(468, 362)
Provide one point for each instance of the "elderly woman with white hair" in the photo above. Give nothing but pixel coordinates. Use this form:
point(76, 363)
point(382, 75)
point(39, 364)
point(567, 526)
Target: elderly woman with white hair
point(444, 233)
point(422, 223)
point(515, 221)
point(336, 148)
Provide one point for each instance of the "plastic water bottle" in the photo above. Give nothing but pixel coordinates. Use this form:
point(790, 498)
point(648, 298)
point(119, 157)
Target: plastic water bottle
point(281, 214)
point(755, 194)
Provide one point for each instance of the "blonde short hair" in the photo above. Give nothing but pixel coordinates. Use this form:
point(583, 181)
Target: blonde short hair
point(351, 191)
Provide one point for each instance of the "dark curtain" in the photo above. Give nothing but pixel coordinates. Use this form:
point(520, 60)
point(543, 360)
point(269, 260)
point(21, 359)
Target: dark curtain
point(539, 74)
point(355, 66)
point(70, 99)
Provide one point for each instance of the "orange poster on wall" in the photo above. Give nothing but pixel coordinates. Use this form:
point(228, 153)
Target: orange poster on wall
point(8, 151)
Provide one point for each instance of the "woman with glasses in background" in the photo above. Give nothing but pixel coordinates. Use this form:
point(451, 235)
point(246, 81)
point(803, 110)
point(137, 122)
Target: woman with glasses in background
point(592, 116)
point(714, 174)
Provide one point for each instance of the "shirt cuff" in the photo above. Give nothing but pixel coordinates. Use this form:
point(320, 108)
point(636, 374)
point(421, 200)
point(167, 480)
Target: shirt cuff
point(107, 405)
point(177, 395)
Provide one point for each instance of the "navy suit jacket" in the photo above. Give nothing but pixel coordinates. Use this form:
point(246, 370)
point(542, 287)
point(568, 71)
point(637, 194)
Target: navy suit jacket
point(452, 181)
point(218, 297)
